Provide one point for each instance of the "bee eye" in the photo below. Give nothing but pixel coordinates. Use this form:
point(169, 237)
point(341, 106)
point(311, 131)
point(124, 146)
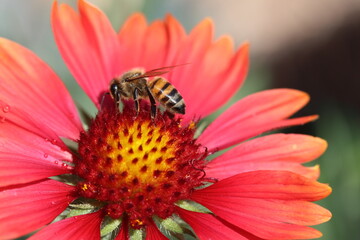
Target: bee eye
point(114, 89)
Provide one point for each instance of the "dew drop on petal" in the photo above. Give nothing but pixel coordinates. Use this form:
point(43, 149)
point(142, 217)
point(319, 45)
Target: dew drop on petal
point(46, 155)
point(6, 109)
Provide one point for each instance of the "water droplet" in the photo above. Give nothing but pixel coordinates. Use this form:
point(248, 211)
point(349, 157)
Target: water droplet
point(64, 165)
point(6, 109)
point(56, 162)
point(54, 141)
point(46, 155)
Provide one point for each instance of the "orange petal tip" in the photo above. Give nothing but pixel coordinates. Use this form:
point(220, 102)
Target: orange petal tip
point(245, 46)
point(169, 16)
point(205, 25)
point(226, 42)
point(323, 144)
point(137, 16)
point(244, 50)
point(313, 118)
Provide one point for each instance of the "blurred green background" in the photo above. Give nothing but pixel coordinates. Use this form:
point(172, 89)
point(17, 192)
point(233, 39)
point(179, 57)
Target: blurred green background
point(308, 45)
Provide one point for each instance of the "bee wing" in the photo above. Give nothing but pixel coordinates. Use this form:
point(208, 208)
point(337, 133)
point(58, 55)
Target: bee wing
point(156, 72)
point(167, 69)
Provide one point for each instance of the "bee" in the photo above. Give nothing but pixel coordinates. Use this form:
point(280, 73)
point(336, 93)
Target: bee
point(135, 84)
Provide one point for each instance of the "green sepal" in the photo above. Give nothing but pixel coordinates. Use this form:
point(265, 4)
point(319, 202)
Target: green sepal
point(77, 212)
point(192, 206)
point(169, 224)
point(136, 234)
point(109, 226)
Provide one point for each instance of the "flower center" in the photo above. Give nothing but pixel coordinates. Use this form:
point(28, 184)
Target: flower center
point(138, 166)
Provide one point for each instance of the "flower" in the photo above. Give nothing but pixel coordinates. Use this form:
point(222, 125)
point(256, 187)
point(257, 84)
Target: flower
point(142, 175)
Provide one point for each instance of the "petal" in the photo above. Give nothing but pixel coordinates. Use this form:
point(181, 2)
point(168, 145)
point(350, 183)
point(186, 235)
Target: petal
point(192, 52)
point(131, 38)
point(269, 184)
point(269, 204)
point(216, 81)
point(253, 115)
point(19, 169)
point(27, 83)
point(153, 233)
point(206, 226)
point(79, 227)
point(272, 152)
point(154, 47)
point(124, 230)
point(176, 37)
point(88, 45)
point(262, 225)
point(19, 128)
point(28, 207)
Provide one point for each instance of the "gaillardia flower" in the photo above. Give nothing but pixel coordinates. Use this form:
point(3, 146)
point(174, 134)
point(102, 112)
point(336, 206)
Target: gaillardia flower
point(130, 175)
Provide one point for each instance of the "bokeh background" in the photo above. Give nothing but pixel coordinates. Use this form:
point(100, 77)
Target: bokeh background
point(309, 45)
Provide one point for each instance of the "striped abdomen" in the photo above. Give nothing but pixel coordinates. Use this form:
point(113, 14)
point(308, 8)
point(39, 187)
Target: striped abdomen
point(167, 95)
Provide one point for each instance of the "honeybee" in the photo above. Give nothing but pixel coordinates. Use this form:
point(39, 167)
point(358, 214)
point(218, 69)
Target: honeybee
point(135, 84)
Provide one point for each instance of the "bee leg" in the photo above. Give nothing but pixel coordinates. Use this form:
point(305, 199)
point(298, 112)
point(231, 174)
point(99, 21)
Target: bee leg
point(136, 100)
point(117, 100)
point(153, 104)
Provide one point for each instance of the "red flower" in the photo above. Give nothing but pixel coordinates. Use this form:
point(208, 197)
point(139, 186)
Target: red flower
point(139, 174)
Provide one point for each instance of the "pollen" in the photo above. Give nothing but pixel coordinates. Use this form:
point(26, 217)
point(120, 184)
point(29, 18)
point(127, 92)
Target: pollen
point(136, 165)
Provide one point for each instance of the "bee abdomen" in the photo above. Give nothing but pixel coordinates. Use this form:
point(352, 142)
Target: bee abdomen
point(167, 95)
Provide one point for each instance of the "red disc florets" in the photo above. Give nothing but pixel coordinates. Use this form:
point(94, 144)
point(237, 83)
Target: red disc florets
point(136, 165)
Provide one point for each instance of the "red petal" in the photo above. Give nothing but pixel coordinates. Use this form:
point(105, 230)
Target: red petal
point(28, 207)
point(192, 51)
point(20, 128)
point(131, 38)
point(272, 152)
point(89, 46)
point(15, 118)
point(124, 230)
point(79, 227)
point(206, 226)
point(19, 169)
point(176, 36)
point(27, 83)
point(269, 204)
point(253, 115)
point(217, 81)
point(210, 73)
point(154, 46)
point(269, 184)
point(153, 233)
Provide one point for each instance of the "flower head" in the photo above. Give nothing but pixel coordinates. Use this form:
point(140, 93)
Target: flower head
point(132, 174)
